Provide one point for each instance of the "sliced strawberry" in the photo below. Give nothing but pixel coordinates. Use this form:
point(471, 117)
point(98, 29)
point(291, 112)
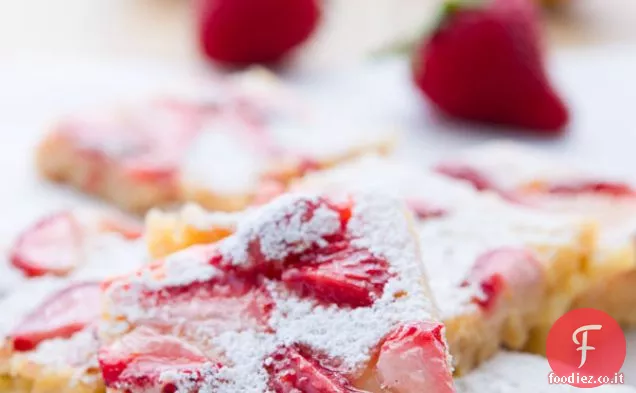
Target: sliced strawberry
point(354, 278)
point(127, 228)
point(293, 370)
point(466, 173)
point(612, 189)
point(148, 141)
point(51, 246)
point(478, 180)
point(413, 358)
point(137, 361)
point(497, 270)
point(216, 308)
point(63, 314)
point(227, 299)
point(425, 211)
point(292, 241)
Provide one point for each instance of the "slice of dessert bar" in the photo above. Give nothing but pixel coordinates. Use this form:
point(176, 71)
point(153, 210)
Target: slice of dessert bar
point(66, 244)
point(48, 340)
point(545, 183)
point(216, 149)
point(48, 335)
point(308, 294)
point(485, 259)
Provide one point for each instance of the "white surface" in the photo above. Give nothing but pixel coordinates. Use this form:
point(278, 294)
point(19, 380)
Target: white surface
point(600, 85)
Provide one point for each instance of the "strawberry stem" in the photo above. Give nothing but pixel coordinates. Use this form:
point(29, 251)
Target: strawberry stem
point(450, 7)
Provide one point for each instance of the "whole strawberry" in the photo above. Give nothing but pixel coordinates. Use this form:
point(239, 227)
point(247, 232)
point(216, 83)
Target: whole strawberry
point(484, 62)
point(243, 32)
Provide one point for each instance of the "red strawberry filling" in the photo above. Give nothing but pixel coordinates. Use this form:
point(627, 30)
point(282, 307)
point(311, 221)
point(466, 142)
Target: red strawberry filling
point(218, 307)
point(496, 271)
point(466, 173)
point(127, 228)
point(478, 180)
point(60, 316)
point(147, 359)
point(596, 187)
point(293, 369)
point(425, 211)
point(51, 246)
point(347, 278)
point(148, 142)
point(413, 359)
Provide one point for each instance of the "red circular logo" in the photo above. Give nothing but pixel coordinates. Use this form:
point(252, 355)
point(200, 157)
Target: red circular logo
point(586, 348)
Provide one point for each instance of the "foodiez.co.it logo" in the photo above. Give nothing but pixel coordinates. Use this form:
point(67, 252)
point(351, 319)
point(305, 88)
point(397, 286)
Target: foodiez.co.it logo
point(586, 348)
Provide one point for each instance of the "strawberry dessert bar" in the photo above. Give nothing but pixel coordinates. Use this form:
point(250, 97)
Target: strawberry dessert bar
point(48, 341)
point(482, 297)
point(216, 150)
point(66, 243)
point(527, 177)
point(308, 294)
point(486, 258)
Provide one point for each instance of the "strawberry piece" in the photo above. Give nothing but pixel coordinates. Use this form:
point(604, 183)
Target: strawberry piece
point(497, 270)
point(478, 180)
point(484, 62)
point(147, 141)
point(138, 360)
point(50, 246)
point(63, 314)
point(304, 211)
point(292, 369)
point(412, 358)
point(593, 187)
point(243, 32)
point(424, 211)
point(214, 306)
point(466, 173)
point(346, 278)
point(229, 299)
point(129, 229)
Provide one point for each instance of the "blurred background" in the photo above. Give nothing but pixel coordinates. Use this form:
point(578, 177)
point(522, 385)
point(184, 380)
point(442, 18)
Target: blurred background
point(38, 35)
point(163, 29)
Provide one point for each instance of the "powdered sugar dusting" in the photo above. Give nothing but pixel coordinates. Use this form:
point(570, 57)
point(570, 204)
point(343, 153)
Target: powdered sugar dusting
point(519, 372)
point(509, 165)
point(372, 173)
point(293, 223)
point(77, 355)
point(21, 302)
point(103, 255)
point(204, 381)
point(480, 222)
point(482, 226)
point(221, 160)
point(282, 228)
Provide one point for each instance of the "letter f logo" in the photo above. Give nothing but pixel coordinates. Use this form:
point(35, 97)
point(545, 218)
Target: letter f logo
point(583, 343)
